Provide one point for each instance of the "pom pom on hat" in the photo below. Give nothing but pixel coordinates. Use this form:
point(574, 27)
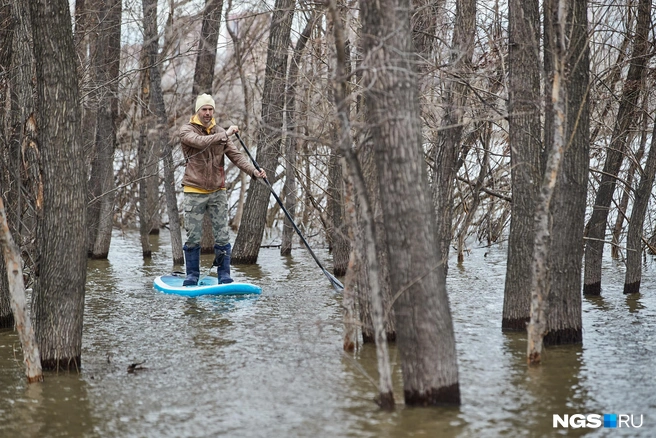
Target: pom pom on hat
point(204, 99)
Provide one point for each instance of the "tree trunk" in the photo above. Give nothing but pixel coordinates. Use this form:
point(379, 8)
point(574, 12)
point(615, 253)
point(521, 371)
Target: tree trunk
point(206, 57)
point(251, 230)
point(340, 94)
point(596, 227)
point(145, 159)
point(58, 297)
point(634, 236)
point(446, 151)
point(425, 335)
point(289, 189)
point(366, 159)
point(237, 47)
point(524, 137)
point(12, 260)
point(8, 156)
point(424, 20)
point(161, 129)
point(568, 204)
point(340, 245)
point(622, 208)
point(556, 29)
point(107, 72)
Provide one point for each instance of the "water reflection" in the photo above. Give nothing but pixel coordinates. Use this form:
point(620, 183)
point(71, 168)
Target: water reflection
point(59, 406)
point(633, 303)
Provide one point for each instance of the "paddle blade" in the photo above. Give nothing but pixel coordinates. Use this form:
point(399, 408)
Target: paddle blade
point(337, 285)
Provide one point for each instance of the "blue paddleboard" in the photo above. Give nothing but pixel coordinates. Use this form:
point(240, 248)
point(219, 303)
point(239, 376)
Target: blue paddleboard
point(172, 284)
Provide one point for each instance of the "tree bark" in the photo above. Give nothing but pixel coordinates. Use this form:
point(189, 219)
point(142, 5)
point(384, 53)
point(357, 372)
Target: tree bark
point(106, 65)
point(446, 151)
point(634, 235)
point(58, 297)
point(425, 335)
point(251, 229)
point(524, 136)
point(239, 60)
point(206, 57)
point(289, 188)
point(163, 143)
point(340, 245)
point(146, 162)
point(385, 396)
point(568, 204)
point(596, 227)
point(24, 328)
point(365, 152)
point(7, 157)
point(537, 326)
point(622, 208)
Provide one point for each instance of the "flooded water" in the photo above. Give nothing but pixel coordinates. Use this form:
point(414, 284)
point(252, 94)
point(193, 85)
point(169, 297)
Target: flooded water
point(273, 366)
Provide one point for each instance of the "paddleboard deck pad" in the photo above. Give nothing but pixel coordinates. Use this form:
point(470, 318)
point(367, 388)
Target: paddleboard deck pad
point(172, 284)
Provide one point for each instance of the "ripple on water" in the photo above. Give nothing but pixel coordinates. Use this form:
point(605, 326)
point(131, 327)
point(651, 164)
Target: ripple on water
point(272, 365)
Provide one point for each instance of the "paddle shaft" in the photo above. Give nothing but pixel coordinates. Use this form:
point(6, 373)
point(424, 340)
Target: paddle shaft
point(336, 283)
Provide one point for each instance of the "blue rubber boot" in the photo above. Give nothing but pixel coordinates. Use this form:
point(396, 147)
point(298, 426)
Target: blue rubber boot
point(192, 263)
point(222, 262)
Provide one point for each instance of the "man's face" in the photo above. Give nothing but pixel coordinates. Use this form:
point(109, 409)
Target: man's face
point(205, 113)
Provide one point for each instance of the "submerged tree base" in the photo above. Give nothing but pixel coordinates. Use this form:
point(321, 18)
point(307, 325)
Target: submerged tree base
point(632, 288)
point(563, 337)
point(385, 401)
point(369, 338)
point(593, 289)
point(518, 324)
point(69, 364)
point(448, 395)
point(246, 260)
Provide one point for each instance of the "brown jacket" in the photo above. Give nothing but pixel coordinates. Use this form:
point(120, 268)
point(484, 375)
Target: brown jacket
point(204, 154)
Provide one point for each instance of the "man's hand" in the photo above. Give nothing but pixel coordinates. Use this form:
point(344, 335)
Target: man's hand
point(259, 174)
point(232, 130)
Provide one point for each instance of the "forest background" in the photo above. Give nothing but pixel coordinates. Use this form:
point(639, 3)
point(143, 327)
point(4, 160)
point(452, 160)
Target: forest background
point(522, 118)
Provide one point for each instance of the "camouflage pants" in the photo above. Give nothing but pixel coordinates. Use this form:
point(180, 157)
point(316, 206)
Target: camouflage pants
point(195, 206)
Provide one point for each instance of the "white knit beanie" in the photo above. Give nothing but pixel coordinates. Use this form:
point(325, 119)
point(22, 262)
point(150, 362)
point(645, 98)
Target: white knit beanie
point(204, 99)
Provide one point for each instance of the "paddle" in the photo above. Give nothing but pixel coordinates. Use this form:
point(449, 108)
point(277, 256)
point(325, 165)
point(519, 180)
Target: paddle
point(337, 285)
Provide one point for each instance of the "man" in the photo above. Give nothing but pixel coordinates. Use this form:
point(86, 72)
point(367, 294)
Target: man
point(204, 145)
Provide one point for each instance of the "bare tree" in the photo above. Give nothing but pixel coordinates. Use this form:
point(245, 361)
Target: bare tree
point(524, 136)
point(634, 236)
point(19, 301)
point(58, 297)
point(425, 335)
point(340, 94)
point(164, 143)
point(7, 26)
point(338, 236)
point(556, 299)
point(446, 151)
point(596, 227)
point(567, 212)
point(555, 24)
point(106, 72)
point(251, 230)
point(147, 166)
point(291, 145)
